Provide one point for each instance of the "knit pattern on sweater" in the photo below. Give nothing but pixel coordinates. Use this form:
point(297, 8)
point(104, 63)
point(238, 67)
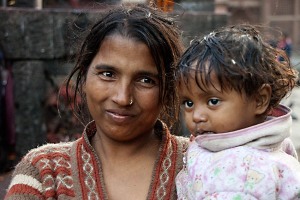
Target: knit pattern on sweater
point(44, 173)
point(73, 171)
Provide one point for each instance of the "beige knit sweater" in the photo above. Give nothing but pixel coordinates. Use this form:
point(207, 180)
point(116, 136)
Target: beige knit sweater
point(73, 171)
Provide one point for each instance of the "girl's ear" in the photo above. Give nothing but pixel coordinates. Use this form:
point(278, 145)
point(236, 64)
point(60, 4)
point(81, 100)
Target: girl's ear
point(263, 97)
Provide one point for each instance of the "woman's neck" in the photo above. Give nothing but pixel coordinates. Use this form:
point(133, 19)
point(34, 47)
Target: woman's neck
point(127, 167)
point(111, 150)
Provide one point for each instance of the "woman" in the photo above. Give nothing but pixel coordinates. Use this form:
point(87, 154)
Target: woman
point(125, 75)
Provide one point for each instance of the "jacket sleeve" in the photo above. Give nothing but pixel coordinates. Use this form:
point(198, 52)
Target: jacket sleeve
point(25, 183)
point(181, 185)
point(230, 196)
point(288, 147)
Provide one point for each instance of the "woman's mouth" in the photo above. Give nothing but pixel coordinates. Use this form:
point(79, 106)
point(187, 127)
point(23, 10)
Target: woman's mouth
point(119, 116)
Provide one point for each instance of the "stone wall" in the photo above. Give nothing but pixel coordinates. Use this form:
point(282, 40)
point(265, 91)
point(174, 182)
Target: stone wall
point(40, 45)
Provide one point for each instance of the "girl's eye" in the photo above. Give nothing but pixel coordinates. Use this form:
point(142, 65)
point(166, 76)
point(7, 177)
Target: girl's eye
point(213, 102)
point(188, 104)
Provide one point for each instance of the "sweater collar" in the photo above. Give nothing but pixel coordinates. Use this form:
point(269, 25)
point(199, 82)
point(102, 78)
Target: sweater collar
point(266, 136)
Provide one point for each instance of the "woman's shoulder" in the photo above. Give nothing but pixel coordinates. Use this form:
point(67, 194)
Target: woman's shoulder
point(49, 151)
point(182, 141)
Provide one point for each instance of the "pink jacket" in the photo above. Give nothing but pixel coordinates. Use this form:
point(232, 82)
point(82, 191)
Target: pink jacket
point(257, 162)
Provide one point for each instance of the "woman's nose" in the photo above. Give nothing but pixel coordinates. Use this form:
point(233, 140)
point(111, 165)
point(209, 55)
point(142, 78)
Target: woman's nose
point(122, 94)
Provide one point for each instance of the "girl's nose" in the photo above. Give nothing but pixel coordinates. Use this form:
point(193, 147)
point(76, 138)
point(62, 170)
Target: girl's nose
point(199, 116)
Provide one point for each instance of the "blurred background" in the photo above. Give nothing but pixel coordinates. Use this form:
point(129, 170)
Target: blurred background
point(39, 39)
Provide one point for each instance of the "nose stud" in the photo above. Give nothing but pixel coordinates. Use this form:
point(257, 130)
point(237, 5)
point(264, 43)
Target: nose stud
point(131, 102)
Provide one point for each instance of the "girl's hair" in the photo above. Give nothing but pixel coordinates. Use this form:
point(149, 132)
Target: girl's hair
point(241, 60)
point(141, 23)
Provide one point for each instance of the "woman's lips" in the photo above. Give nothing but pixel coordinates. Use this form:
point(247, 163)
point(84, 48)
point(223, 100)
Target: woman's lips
point(119, 116)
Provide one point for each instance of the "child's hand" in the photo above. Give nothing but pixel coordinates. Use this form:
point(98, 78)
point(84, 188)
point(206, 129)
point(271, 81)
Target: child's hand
point(192, 138)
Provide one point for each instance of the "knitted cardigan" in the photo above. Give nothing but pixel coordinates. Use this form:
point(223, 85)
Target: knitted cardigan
point(258, 162)
point(73, 171)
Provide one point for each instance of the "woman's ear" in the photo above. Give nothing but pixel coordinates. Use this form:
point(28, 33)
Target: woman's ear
point(83, 87)
point(263, 97)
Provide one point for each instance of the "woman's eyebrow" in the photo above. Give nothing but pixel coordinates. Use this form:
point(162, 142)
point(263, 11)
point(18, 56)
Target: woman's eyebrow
point(104, 67)
point(148, 73)
point(139, 72)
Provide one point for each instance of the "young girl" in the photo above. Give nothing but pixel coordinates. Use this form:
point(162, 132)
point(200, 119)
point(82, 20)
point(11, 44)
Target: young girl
point(231, 85)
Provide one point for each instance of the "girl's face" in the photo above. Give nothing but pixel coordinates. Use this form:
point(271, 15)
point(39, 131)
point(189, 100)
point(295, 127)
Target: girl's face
point(212, 111)
point(123, 70)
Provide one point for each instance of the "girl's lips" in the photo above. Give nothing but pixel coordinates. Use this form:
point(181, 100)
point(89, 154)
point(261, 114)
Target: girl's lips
point(204, 132)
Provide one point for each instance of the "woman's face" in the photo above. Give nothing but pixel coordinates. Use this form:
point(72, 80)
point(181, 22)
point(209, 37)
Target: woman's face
point(123, 70)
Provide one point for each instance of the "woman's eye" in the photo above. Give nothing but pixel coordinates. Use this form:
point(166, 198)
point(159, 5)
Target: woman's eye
point(213, 102)
point(108, 74)
point(147, 80)
point(188, 104)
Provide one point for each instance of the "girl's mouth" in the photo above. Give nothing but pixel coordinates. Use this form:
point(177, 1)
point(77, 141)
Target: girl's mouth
point(204, 132)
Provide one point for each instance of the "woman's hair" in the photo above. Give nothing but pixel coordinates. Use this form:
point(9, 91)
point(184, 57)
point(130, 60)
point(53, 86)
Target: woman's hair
point(141, 23)
point(241, 60)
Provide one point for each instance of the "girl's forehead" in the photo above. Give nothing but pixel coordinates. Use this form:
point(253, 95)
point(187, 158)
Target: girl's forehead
point(202, 70)
point(204, 80)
